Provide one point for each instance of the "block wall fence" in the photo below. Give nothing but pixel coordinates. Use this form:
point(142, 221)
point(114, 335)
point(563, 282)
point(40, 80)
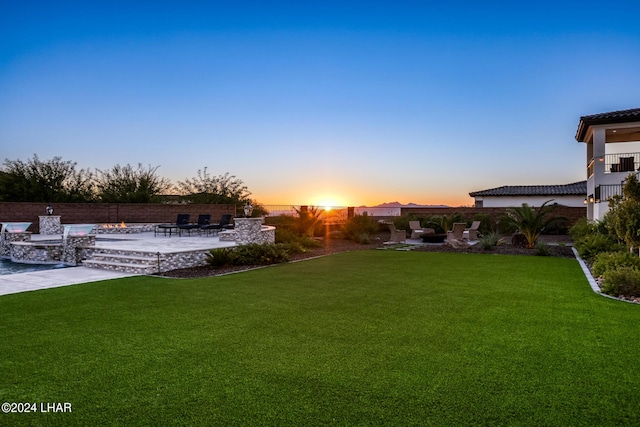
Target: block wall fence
point(105, 213)
point(573, 214)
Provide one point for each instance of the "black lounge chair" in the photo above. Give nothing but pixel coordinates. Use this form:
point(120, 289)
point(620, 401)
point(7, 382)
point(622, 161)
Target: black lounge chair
point(182, 219)
point(225, 223)
point(203, 220)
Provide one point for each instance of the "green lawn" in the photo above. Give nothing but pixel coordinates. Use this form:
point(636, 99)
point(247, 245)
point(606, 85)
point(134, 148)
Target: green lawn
point(362, 338)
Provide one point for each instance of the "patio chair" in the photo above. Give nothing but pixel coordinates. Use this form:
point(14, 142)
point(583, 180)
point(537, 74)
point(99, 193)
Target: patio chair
point(397, 236)
point(471, 233)
point(225, 223)
point(203, 219)
point(626, 164)
point(457, 231)
point(417, 230)
point(181, 219)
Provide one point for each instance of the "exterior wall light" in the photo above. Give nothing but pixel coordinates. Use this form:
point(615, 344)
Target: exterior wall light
point(49, 209)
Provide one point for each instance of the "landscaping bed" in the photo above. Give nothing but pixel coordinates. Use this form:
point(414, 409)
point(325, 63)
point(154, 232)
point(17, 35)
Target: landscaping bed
point(336, 245)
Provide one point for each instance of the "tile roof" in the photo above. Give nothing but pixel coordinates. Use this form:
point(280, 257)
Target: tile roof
point(574, 189)
point(622, 116)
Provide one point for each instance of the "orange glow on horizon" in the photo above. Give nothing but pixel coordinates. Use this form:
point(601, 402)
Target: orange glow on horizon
point(364, 197)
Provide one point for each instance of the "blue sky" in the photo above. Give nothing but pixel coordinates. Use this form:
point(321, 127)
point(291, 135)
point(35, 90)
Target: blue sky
point(347, 103)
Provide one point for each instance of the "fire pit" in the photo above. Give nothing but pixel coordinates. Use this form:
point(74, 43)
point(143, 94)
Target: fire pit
point(121, 228)
point(433, 238)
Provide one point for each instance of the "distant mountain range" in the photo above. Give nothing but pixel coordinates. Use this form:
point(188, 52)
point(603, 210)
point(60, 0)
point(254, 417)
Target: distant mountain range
point(400, 205)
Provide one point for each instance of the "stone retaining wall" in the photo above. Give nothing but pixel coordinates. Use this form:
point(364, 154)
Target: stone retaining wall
point(249, 230)
point(72, 248)
point(36, 253)
point(7, 238)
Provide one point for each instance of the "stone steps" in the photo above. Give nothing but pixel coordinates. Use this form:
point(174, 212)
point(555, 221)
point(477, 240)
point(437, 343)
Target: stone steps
point(135, 262)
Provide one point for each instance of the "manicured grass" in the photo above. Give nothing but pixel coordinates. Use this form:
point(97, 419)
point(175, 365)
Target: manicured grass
point(363, 338)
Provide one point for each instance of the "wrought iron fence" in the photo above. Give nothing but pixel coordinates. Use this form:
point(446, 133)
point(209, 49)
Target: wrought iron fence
point(292, 210)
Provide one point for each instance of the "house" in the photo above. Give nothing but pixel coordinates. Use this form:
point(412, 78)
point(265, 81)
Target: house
point(573, 195)
point(613, 152)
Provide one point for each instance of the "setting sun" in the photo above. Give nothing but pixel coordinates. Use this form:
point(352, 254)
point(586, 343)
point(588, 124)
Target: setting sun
point(328, 203)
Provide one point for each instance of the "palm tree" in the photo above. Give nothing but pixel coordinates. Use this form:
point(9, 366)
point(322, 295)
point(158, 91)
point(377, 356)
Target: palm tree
point(531, 222)
point(446, 221)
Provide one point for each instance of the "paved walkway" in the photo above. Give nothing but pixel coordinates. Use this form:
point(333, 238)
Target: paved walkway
point(23, 282)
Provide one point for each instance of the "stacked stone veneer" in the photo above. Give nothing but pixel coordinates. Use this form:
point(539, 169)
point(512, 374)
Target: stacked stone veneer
point(50, 224)
point(72, 248)
point(139, 262)
point(129, 229)
point(249, 230)
point(7, 238)
point(36, 253)
point(19, 248)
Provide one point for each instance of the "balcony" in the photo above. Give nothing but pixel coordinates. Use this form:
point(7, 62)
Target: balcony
point(621, 162)
point(604, 192)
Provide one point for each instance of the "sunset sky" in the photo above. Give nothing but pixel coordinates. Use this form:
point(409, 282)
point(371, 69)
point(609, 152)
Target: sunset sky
point(343, 103)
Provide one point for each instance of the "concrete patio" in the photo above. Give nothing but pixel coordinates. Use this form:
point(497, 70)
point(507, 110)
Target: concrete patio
point(140, 242)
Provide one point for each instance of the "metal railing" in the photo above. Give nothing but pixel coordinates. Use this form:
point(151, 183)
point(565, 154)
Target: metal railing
point(621, 162)
point(605, 191)
point(292, 210)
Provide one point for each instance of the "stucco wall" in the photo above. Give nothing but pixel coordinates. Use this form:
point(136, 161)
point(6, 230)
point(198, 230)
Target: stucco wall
point(505, 201)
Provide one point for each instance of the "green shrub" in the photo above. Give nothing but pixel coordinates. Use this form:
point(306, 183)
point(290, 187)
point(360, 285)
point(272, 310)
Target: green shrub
point(257, 254)
point(221, 257)
point(286, 236)
point(293, 247)
point(591, 245)
point(360, 228)
point(623, 280)
point(583, 227)
point(606, 261)
point(487, 225)
point(542, 249)
point(402, 222)
point(363, 238)
point(489, 240)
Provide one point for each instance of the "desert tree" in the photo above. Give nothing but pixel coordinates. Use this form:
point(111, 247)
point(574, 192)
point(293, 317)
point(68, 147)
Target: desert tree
point(124, 184)
point(208, 188)
point(36, 180)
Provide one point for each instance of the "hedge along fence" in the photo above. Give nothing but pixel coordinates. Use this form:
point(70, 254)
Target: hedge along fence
point(572, 214)
point(105, 213)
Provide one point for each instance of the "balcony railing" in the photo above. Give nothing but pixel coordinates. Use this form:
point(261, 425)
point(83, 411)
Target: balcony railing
point(604, 192)
point(621, 162)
